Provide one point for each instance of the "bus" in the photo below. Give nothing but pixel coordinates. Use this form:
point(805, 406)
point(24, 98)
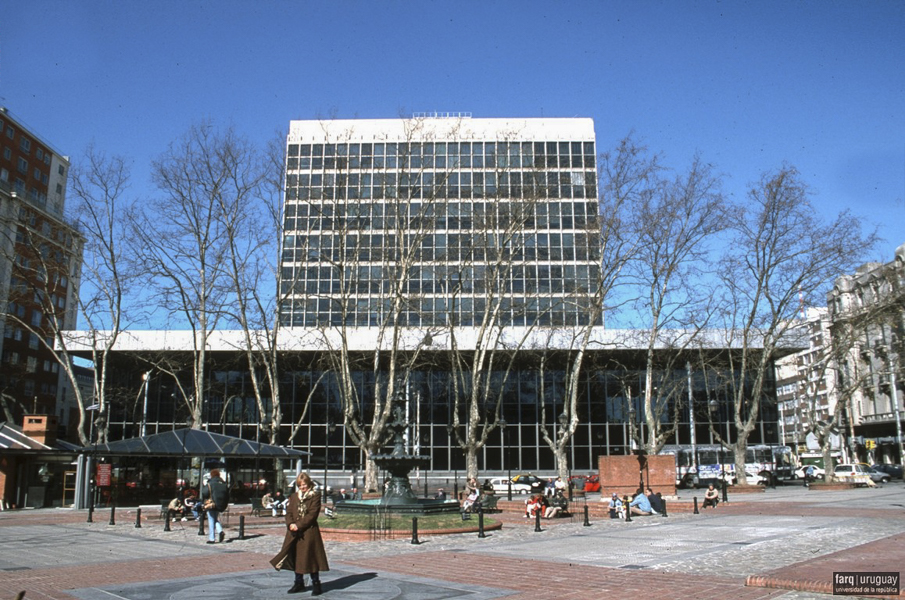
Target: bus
point(764, 464)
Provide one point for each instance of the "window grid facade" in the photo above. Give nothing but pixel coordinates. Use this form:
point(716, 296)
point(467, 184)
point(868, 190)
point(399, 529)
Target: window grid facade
point(452, 219)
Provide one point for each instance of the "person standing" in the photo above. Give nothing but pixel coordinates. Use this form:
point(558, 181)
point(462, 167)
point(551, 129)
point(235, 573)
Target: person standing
point(303, 547)
point(217, 491)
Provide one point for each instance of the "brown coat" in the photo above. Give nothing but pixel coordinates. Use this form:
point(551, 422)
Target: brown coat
point(303, 550)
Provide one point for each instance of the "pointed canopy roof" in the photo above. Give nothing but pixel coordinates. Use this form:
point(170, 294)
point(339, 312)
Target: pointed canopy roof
point(191, 442)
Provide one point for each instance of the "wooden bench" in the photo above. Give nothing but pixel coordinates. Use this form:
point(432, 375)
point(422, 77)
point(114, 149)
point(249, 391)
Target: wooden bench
point(489, 504)
point(257, 507)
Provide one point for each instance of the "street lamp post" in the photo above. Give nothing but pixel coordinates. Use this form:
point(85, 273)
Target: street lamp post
point(330, 428)
point(503, 424)
point(635, 445)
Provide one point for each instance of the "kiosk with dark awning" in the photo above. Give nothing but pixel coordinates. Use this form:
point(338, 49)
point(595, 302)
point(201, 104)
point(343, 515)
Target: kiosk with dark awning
point(178, 443)
point(191, 442)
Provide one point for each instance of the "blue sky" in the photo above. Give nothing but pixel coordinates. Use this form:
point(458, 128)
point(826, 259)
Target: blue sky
point(749, 85)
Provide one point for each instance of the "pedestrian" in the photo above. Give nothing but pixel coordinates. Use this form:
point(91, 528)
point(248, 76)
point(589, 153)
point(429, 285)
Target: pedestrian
point(217, 492)
point(303, 547)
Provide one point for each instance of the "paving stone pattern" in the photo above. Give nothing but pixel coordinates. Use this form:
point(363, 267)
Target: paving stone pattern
point(783, 543)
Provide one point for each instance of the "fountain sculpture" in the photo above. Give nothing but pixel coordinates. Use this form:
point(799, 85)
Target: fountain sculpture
point(398, 496)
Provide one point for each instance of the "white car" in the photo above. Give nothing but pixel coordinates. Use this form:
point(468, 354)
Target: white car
point(800, 472)
point(859, 474)
point(501, 486)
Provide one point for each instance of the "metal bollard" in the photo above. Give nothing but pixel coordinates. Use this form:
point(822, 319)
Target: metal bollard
point(628, 509)
point(113, 515)
point(537, 528)
point(509, 490)
point(665, 514)
point(241, 527)
point(725, 491)
point(425, 488)
point(481, 533)
point(91, 514)
point(201, 517)
point(696, 506)
point(415, 530)
point(166, 521)
point(138, 518)
point(587, 521)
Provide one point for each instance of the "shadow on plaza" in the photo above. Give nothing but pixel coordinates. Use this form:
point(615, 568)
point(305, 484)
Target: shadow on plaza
point(347, 581)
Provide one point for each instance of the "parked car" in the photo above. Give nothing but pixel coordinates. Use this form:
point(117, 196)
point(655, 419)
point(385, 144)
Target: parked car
point(875, 475)
point(536, 484)
point(501, 486)
point(819, 473)
point(894, 471)
point(857, 472)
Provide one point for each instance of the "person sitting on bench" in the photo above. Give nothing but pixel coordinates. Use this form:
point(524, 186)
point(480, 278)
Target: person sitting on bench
point(656, 502)
point(557, 504)
point(617, 510)
point(640, 505)
point(176, 507)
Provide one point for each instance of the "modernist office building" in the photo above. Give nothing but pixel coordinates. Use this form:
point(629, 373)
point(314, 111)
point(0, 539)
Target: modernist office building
point(435, 224)
point(431, 203)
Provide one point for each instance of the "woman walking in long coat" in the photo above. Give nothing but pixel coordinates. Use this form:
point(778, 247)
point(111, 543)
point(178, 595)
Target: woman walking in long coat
point(303, 548)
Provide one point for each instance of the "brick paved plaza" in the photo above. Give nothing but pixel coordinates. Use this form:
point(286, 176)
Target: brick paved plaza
point(784, 543)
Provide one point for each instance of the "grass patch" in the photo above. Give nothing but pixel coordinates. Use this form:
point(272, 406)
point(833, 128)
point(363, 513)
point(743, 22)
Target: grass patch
point(401, 522)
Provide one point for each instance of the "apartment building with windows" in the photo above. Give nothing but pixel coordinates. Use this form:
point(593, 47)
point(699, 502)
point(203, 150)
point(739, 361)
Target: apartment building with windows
point(40, 262)
point(806, 390)
point(867, 309)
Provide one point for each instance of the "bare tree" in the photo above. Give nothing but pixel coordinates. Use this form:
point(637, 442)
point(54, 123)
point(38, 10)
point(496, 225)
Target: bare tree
point(486, 254)
point(253, 228)
point(623, 176)
point(780, 250)
point(674, 222)
point(369, 307)
point(105, 274)
point(182, 238)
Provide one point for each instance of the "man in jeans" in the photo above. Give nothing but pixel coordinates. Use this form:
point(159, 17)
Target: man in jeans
point(640, 505)
point(217, 490)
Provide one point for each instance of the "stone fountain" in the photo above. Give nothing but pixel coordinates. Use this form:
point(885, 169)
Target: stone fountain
point(398, 496)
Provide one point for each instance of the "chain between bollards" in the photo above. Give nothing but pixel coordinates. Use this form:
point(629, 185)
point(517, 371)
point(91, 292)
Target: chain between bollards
point(415, 531)
point(138, 518)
